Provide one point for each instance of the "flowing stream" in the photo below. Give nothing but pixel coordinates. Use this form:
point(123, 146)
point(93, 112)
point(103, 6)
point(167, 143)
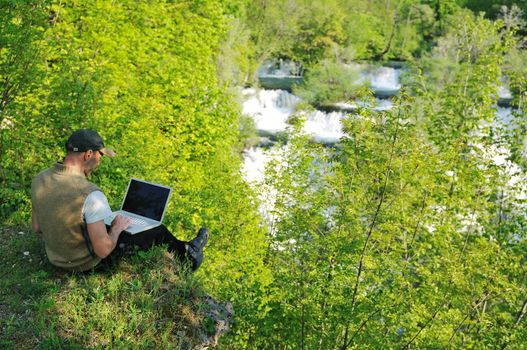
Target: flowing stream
point(270, 110)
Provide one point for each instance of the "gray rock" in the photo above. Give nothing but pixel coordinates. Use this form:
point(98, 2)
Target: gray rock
point(216, 322)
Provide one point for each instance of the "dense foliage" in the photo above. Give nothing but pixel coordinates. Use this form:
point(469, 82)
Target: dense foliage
point(407, 234)
point(410, 233)
point(144, 75)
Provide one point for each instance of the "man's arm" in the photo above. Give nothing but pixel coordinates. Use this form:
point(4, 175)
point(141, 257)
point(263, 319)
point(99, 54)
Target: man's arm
point(104, 242)
point(34, 222)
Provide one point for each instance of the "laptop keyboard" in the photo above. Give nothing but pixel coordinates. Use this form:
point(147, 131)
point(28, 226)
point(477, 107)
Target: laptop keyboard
point(135, 221)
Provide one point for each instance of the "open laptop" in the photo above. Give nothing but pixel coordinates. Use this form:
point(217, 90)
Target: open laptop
point(145, 203)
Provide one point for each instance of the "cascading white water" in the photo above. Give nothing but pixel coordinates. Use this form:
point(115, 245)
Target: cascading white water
point(269, 108)
point(505, 118)
point(253, 171)
point(505, 123)
point(498, 154)
point(384, 79)
point(504, 92)
point(325, 128)
point(255, 160)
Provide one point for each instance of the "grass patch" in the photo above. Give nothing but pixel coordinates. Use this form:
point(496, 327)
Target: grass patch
point(148, 301)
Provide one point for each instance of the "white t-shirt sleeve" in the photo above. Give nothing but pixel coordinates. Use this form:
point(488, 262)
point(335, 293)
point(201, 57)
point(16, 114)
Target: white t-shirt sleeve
point(96, 207)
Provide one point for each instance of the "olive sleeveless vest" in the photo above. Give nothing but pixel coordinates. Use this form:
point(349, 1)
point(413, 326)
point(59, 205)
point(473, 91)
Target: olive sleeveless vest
point(58, 195)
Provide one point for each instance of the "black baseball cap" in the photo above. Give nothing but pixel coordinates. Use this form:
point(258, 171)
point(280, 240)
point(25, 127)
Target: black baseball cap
point(83, 140)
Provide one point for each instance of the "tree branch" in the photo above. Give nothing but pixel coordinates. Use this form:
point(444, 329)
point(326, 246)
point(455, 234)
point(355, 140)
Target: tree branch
point(424, 326)
point(381, 54)
point(481, 301)
point(372, 225)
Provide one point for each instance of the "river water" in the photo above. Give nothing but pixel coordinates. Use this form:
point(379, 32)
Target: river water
point(271, 108)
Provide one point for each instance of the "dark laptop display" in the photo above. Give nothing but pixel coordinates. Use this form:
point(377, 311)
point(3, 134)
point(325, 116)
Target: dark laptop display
point(145, 199)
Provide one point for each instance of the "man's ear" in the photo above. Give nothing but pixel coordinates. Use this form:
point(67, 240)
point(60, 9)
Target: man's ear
point(88, 154)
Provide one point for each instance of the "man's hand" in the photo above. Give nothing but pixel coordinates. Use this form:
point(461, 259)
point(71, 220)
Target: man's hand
point(120, 223)
point(104, 242)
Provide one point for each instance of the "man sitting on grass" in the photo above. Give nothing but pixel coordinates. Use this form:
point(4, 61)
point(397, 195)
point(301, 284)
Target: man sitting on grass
point(69, 211)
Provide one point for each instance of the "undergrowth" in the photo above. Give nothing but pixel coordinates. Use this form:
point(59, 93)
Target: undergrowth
point(148, 301)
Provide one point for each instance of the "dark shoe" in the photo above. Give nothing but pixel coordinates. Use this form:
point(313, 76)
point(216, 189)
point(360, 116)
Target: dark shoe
point(200, 240)
point(195, 257)
point(195, 248)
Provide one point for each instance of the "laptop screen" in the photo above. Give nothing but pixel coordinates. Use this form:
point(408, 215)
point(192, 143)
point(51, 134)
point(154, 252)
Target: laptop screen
point(146, 199)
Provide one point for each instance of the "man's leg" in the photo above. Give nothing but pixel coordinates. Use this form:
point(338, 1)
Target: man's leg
point(161, 235)
point(147, 239)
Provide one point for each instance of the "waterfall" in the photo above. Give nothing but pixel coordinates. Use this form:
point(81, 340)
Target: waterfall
point(504, 95)
point(269, 109)
point(384, 81)
point(324, 127)
point(504, 123)
point(253, 171)
point(505, 118)
point(254, 162)
point(384, 78)
point(504, 92)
